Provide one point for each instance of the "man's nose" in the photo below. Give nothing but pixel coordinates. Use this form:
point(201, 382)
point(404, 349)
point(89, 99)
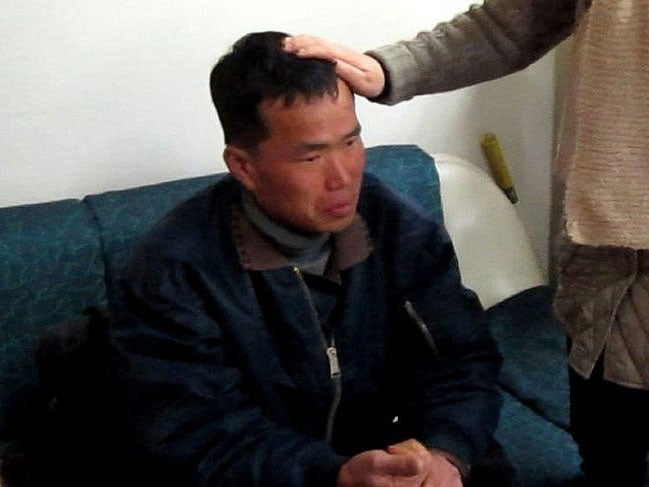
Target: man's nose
point(338, 174)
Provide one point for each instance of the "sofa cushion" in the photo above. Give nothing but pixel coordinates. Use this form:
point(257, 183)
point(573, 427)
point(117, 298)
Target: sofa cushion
point(543, 454)
point(410, 171)
point(124, 215)
point(51, 268)
point(535, 366)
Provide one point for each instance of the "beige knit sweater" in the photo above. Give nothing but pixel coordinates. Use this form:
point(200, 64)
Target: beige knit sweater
point(604, 148)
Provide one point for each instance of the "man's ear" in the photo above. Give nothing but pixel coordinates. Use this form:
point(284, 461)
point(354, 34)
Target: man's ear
point(241, 164)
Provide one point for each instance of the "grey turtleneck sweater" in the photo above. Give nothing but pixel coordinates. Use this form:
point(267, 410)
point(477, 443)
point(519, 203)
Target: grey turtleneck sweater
point(308, 251)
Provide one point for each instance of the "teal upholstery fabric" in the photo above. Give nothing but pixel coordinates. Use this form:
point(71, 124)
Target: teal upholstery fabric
point(544, 455)
point(410, 171)
point(533, 344)
point(124, 215)
point(51, 268)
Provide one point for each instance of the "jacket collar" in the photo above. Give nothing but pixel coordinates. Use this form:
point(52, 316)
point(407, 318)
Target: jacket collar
point(258, 253)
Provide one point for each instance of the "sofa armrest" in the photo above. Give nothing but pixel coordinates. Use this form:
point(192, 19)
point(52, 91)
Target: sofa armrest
point(494, 252)
point(533, 345)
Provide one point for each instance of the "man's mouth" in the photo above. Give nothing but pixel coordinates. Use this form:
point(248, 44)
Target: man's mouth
point(341, 209)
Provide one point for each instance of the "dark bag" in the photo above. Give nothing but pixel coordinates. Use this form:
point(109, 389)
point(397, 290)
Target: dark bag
point(76, 437)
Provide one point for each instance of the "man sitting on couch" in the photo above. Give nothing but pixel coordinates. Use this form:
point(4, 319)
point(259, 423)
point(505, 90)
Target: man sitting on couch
point(298, 323)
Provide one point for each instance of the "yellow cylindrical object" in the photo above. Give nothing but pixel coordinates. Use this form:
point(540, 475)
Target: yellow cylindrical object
point(499, 169)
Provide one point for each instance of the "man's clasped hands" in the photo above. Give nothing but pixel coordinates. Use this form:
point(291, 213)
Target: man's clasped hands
point(405, 464)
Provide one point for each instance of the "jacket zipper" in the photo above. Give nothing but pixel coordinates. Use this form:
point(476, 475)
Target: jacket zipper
point(331, 353)
point(410, 309)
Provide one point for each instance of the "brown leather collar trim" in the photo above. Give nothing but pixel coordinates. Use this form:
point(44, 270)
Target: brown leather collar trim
point(258, 253)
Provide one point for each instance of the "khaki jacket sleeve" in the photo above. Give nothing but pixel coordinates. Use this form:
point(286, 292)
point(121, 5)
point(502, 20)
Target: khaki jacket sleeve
point(488, 41)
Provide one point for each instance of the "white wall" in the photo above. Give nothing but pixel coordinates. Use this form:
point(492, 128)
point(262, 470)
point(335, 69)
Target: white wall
point(100, 94)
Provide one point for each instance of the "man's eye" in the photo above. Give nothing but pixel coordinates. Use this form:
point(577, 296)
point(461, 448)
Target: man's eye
point(310, 158)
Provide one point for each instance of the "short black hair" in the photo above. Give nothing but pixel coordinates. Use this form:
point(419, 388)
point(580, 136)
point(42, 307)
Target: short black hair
point(258, 69)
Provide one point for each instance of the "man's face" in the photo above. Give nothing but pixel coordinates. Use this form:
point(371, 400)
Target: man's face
point(308, 173)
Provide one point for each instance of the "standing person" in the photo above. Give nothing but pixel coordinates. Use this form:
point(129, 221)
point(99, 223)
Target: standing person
point(602, 166)
point(298, 324)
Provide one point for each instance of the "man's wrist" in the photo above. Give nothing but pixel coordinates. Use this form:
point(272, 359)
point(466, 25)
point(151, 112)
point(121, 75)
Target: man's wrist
point(386, 83)
point(464, 468)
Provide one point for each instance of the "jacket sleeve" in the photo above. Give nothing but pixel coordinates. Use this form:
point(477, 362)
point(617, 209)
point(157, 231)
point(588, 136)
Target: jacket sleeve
point(484, 43)
point(186, 397)
point(450, 360)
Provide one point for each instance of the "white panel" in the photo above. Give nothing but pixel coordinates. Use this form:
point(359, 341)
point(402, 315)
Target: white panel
point(494, 251)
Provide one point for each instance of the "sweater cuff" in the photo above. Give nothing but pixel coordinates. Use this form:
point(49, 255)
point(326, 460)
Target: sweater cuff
point(401, 73)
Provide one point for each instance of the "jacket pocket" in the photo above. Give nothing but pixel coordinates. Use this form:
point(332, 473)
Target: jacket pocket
point(418, 321)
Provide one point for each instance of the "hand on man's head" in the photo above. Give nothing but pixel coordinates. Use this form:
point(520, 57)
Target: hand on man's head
point(363, 73)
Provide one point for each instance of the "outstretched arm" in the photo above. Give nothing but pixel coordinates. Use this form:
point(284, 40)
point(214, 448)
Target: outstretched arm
point(484, 43)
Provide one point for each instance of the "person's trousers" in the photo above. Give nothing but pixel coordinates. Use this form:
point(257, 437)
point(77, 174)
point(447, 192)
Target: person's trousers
point(610, 424)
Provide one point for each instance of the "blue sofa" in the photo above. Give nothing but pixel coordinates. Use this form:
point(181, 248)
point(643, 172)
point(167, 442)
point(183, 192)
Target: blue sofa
point(60, 257)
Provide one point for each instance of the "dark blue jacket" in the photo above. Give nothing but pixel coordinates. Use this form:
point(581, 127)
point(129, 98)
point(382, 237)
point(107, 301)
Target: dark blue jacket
point(229, 382)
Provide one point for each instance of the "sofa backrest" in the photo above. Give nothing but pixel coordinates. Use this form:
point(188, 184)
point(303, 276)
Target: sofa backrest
point(122, 216)
point(58, 258)
point(51, 268)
